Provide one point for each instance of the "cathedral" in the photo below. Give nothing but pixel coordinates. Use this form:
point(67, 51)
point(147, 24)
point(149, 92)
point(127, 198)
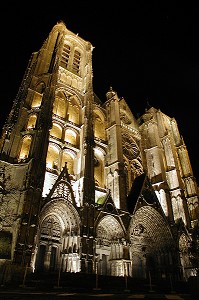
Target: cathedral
point(84, 185)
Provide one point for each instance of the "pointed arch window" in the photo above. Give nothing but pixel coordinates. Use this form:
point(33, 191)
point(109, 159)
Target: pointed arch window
point(32, 121)
point(99, 168)
point(71, 58)
point(52, 160)
point(37, 98)
point(73, 110)
point(99, 125)
point(59, 107)
point(25, 147)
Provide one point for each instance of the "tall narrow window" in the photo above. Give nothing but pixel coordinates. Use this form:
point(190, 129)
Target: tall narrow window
point(66, 54)
point(76, 61)
point(52, 160)
point(67, 157)
point(25, 147)
point(59, 107)
point(37, 98)
point(32, 121)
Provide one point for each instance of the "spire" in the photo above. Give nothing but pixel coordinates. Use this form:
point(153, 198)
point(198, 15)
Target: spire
point(110, 94)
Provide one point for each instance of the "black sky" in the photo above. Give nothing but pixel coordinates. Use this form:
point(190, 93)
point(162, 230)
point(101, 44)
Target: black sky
point(148, 51)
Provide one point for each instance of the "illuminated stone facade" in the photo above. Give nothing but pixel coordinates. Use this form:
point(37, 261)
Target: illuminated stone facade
point(84, 185)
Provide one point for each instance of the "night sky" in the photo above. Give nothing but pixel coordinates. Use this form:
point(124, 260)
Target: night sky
point(147, 51)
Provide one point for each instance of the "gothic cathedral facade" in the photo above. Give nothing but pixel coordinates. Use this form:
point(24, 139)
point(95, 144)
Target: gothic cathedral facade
point(84, 185)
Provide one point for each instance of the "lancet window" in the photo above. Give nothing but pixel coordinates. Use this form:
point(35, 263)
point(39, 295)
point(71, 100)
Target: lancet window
point(25, 147)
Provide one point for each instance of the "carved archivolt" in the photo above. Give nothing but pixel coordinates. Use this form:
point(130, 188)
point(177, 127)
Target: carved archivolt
point(109, 229)
point(64, 212)
point(149, 228)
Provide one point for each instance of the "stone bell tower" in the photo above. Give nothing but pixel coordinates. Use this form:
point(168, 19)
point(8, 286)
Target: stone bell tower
point(50, 123)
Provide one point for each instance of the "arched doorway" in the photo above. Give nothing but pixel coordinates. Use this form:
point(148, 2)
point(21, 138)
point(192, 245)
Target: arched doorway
point(151, 244)
point(58, 238)
point(111, 247)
